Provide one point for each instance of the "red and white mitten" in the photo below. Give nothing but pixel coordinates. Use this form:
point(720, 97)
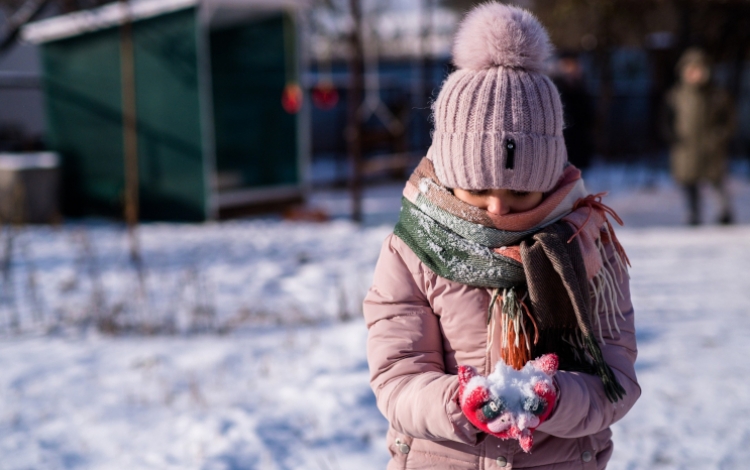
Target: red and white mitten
point(509, 403)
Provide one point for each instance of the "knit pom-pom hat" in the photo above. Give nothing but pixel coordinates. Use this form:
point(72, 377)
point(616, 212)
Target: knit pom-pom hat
point(498, 118)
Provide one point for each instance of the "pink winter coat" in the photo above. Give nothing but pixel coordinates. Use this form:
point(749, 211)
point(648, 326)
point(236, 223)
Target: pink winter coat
point(422, 326)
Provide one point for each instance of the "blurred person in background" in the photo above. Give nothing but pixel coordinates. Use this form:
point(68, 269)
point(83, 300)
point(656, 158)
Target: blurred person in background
point(699, 121)
point(578, 112)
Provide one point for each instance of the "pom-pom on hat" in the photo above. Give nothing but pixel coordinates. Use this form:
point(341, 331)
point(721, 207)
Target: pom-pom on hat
point(495, 35)
point(498, 118)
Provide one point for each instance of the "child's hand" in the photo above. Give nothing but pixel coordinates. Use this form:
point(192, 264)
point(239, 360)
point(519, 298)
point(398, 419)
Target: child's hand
point(509, 403)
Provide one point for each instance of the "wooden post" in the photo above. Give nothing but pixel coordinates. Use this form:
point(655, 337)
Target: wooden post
point(354, 129)
point(129, 131)
point(603, 59)
point(425, 88)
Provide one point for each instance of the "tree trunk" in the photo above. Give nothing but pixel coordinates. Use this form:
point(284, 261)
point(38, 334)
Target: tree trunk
point(354, 128)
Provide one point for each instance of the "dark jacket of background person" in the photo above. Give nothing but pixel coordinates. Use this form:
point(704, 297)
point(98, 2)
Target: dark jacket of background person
point(699, 123)
point(578, 111)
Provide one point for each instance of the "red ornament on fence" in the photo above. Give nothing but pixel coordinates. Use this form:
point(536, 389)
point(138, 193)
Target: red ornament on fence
point(291, 98)
point(325, 96)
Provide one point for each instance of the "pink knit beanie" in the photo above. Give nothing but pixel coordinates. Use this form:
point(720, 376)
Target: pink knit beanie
point(498, 118)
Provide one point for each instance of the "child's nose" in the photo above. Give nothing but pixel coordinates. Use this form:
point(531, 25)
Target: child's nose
point(496, 206)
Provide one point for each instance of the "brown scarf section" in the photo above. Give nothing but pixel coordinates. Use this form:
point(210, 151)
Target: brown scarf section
point(560, 299)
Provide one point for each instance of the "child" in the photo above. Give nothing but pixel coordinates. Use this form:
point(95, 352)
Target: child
point(501, 269)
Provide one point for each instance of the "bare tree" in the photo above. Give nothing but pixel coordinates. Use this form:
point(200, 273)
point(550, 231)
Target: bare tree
point(16, 13)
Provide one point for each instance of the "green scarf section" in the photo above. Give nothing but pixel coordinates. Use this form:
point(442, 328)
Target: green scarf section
point(455, 257)
point(554, 282)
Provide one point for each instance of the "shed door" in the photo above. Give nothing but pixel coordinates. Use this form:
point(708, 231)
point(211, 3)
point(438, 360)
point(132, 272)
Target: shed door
point(256, 140)
point(84, 108)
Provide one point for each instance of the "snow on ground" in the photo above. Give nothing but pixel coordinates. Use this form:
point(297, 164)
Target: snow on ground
point(294, 395)
point(646, 197)
point(280, 398)
point(691, 292)
point(231, 271)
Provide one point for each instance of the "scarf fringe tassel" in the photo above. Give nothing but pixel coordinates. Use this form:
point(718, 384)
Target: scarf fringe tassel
point(515, 317)
point(605, 289)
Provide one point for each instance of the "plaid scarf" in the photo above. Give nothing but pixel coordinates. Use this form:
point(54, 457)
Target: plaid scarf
point(545, 289)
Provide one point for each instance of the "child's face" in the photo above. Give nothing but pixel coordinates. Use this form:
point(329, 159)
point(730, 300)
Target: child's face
point(500, 201)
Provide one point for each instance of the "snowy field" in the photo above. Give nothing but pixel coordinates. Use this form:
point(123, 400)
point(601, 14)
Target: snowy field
point(264, 367)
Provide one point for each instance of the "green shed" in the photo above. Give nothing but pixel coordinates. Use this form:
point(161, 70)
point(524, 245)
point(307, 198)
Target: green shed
point(212, 134)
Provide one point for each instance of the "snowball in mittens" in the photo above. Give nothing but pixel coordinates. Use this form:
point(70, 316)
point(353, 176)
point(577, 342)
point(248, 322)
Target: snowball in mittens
point(518, 389)
point(509, 403)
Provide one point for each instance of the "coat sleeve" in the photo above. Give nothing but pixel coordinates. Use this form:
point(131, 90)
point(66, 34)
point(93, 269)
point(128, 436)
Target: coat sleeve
point(726, 117)
point(405, 353)
point(666, 119)
point(582, 407)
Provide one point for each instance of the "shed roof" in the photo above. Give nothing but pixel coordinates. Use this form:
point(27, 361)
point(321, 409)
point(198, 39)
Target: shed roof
point(114, 14)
